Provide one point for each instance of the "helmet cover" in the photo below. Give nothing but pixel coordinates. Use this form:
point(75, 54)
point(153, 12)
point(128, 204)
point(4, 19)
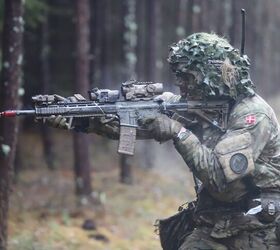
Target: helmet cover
point(223, 72)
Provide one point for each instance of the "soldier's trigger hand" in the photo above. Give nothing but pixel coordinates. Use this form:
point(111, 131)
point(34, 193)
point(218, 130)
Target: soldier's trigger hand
point(146, 121)
point(161, 127)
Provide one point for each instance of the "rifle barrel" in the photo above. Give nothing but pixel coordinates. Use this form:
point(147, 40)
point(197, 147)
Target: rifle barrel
point(13, 113)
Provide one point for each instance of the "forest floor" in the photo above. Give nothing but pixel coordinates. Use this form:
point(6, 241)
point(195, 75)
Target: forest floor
point(44, 214)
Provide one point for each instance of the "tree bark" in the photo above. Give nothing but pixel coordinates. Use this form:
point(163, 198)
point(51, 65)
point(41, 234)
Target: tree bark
point(81, 141)
point(129, 49)
point(46, 133)
point(141, 17)
point(183, 19)
point(152, 10)
point(97, 38)
point(9, 98)
point(196, 16)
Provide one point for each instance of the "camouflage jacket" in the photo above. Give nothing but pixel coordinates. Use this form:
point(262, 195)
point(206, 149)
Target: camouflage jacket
point(233, 165)
point(250, 148)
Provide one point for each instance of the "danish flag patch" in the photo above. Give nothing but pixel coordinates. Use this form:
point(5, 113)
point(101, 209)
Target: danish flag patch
point(250, 119)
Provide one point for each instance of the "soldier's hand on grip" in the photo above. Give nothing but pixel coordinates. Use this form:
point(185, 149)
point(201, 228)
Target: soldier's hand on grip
point(162, 128)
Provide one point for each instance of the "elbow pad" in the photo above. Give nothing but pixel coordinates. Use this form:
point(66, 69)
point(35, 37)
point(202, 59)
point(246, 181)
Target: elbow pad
point(235, 155)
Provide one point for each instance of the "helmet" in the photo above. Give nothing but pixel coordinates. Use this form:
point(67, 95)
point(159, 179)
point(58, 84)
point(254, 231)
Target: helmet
point(207, 66)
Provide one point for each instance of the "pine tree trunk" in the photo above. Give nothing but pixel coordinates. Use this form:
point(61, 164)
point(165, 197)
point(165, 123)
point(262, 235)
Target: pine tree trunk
point(126, 172)
point(141, 17)
point(81, 141)
point(9, 99)
point(129, 48)
point(183, 18)
point(46, 80)
point(97, 23)
point(152, 7)
point(196, 16)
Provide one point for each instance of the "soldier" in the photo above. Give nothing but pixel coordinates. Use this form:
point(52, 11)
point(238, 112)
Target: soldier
point(238, 199)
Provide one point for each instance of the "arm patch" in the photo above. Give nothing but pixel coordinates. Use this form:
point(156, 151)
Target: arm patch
point(234, 153)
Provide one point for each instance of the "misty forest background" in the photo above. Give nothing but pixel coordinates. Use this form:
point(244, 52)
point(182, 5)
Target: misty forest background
point(62, 190)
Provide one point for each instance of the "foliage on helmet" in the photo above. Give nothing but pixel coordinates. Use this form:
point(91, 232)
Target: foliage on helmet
point(224, 72)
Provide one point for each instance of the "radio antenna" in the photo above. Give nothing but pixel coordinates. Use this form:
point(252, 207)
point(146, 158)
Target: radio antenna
point(243, 15)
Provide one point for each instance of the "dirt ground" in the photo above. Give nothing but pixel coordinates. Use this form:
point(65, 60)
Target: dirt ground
point(45, 215)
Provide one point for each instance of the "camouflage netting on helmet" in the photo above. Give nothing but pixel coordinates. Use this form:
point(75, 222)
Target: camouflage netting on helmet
point(224, 72)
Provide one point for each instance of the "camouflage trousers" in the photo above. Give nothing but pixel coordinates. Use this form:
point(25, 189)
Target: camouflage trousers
point(259, 239)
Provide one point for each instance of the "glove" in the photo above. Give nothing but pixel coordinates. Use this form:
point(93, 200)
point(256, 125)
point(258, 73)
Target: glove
point(167, 97)
point(162, 128)
point(60, 121)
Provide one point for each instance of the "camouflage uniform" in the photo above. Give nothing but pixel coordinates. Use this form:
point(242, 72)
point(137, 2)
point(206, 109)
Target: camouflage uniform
point(239, 168)
point(236, 167)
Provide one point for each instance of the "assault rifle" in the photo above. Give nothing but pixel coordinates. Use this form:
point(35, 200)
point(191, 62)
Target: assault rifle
point(136, 100)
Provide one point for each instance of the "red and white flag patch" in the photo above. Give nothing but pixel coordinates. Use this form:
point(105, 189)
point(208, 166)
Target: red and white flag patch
point(250, 119)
